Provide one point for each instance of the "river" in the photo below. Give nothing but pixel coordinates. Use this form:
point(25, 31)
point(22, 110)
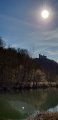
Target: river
point(17, 106)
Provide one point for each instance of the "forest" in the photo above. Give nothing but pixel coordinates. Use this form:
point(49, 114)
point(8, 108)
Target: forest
point(18, 70)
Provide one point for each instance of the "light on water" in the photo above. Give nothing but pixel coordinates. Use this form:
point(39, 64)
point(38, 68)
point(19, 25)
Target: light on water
point(55, 109)
point(23, 108)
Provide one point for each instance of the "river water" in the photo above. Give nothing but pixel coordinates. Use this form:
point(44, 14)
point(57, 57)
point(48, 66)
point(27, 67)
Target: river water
point(17, 106)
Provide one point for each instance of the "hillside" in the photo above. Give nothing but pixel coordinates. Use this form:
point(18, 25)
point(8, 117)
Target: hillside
point(49, 67)
point(18, 70)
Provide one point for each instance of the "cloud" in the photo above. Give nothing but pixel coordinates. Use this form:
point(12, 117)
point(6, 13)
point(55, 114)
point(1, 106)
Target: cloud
point(40, 50)
point(19, 45)
point(46, 35)
point(52, 53)
point(16, 22)
point(51, 35)
point(15, 45)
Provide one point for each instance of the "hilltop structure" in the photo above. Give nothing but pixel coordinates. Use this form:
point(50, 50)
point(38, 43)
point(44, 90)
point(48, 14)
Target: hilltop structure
point(42, 56)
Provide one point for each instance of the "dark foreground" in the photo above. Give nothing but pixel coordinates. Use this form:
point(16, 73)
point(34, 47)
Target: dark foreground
point(45, 116)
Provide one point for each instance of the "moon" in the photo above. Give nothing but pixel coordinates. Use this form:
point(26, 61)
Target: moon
point(45, 14)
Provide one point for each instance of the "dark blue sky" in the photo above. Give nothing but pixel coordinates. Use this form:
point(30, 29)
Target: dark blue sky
point(21, 26)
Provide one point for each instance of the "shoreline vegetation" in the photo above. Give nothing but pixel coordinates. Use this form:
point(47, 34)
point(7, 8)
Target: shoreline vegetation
point(29, 87)
point(18, 70)
point(45, 116)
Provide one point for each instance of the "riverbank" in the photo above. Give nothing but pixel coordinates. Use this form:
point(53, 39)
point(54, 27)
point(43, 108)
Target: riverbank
point(17, 88)
point(45, 116)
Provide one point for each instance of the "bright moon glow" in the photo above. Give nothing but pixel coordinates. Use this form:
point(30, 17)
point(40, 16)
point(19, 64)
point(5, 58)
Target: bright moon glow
point(45, 14)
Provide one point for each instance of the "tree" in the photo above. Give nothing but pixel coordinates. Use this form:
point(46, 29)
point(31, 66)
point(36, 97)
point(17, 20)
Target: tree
point(2, 44)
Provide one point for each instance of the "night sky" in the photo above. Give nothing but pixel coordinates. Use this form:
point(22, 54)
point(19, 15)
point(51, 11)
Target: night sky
point(22, 26)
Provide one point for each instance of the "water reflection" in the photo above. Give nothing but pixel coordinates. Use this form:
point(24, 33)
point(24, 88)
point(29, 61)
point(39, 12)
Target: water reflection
point(22, 106)
point(28, 102)
point(53, 109)
point(35, 101)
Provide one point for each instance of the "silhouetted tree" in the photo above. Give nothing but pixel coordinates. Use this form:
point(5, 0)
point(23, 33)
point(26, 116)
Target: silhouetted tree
point(2, 44)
